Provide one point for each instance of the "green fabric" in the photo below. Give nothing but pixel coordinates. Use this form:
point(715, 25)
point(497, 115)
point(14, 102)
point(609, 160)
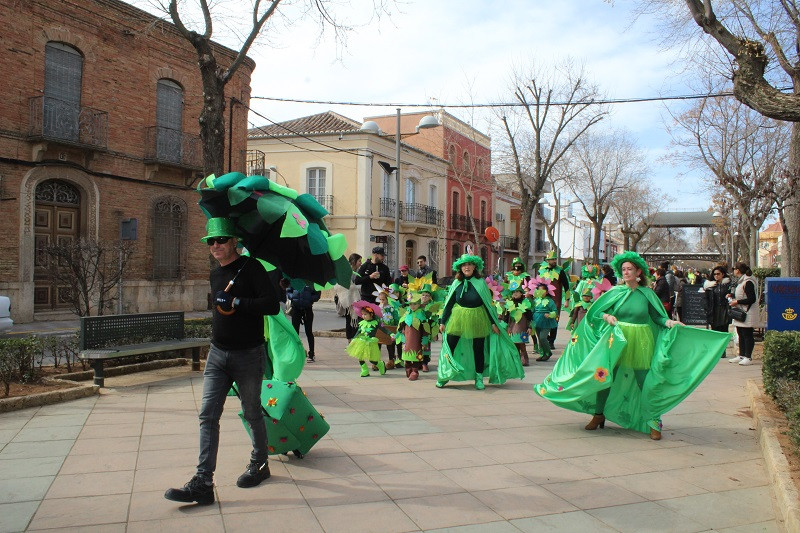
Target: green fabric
point(226, 181)
point(682, 358)
point(283, 191)
point(467, 258)
point(542, 307)
point(311, 206)
point(634, 259)
point(295, 224)
point(317, 242)
point(271, 208)
point(254, 183)
point(292, 422)
point(501, 357)
point(287, 354)
point(337, 245)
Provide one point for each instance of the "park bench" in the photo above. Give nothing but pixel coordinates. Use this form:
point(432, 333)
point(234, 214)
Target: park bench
point(99, 336)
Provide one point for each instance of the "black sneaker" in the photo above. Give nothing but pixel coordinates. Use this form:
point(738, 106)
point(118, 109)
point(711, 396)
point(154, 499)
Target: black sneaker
point(254, 475)
point(197, 490)
point(310, 358)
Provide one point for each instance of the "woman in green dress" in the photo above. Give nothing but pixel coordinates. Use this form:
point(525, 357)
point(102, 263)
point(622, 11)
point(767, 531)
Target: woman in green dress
point(626, 360)
point(472, 343)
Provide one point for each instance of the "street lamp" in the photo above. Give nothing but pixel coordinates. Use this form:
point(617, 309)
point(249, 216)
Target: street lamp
point(370, 126)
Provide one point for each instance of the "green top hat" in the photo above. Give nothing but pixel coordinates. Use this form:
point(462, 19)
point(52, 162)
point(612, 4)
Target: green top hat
point(551, 255)
point(219, 227)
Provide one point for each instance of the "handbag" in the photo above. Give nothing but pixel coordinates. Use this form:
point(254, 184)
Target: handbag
point(737, 314)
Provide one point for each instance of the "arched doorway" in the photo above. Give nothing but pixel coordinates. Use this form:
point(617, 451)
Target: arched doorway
point(56, 220)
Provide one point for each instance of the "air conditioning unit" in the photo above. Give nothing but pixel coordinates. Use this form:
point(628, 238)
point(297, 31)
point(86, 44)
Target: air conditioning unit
point(500, 217)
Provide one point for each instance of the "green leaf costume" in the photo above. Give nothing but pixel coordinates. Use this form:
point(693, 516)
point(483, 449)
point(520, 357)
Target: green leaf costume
point(501, 357)
point(682, 358)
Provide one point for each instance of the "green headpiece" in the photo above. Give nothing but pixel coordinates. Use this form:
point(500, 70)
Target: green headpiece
point(629, 257)
point(219, 227)
point(414, 298)
point(551, 255)
point(466, 258)
point(518, 261)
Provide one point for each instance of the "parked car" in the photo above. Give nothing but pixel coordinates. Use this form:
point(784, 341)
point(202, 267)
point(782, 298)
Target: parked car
point(5, 314)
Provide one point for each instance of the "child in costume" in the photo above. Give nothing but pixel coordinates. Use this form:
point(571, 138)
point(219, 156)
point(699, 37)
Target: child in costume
point(364, 345)
point(414, 331)
point(431, 297)
point(387, 301)
point(580, 308)
point(519, 316)
point(544, 313)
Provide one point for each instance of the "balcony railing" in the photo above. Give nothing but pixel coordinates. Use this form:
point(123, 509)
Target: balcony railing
point(325, 201)
point(255, 161)
point(418, 213)
point(463, 223)
point(57, 120)
point(509, 243)
point(173, 147)
point(423, 214)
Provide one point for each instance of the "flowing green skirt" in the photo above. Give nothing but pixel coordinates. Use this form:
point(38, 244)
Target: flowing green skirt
point(638, 351)
point(364, 349)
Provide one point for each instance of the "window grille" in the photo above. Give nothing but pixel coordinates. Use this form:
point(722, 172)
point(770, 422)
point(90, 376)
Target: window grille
point(169, 121)
point(57, 192)
point(169, 225)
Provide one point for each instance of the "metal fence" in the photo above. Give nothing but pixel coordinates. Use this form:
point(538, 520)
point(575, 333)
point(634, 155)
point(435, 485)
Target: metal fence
point(171, 146)
point(326, 201)
point(419, 213)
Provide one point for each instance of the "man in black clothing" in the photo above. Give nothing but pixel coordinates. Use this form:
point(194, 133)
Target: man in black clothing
point(424, 269)
point(243, 295)
point(374, 272)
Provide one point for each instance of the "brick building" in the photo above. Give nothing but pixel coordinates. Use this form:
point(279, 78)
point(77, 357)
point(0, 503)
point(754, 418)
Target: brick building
point(99, 126)
point(469, 180)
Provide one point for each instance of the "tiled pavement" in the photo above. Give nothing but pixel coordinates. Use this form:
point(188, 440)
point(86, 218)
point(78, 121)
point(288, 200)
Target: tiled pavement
point(400, 456)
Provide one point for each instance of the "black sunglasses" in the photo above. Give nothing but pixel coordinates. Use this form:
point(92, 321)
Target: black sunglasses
point(220, 240)
point(717, 273)
point(517, 267)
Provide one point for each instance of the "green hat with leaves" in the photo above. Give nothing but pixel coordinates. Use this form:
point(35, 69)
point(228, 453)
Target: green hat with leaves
point(466, 258)
point(518, 261)
point(630, 257)
point(219, 227)
point(551, 255)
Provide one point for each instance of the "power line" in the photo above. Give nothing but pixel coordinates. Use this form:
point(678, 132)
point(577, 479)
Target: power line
point(608, 101)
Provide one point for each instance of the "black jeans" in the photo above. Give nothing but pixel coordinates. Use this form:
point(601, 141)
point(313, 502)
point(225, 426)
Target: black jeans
point(746, 342)
point(306, 316)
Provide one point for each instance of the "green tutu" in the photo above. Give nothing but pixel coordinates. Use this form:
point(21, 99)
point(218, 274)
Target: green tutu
point(638, 352)
point(364, 349)
point(468, 322)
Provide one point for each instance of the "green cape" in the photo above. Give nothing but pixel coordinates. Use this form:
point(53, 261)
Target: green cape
point(683, 357)
point(501, 357)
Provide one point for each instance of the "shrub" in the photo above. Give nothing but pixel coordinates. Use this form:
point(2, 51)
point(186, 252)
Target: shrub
point(781, 359)
point(199, 328)
point(18, 360)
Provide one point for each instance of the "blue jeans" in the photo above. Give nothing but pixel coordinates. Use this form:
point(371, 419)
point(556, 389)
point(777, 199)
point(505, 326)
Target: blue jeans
point(246, 368)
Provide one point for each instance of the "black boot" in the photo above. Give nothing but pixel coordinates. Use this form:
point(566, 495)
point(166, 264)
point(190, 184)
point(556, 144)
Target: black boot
point(197, 490)
point(256, 473)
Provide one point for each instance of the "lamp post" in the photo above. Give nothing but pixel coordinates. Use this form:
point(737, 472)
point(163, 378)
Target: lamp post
point(428, 121)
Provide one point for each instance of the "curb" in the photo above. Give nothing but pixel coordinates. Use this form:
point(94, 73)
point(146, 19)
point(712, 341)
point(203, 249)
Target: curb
point(47, 398)
point(786, 493)
point(334, 334)
point(123, 370)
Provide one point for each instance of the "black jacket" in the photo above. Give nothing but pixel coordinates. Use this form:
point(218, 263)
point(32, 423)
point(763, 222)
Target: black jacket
point(367, 284)
point(717, 308)
point(304, 298)
point(662, 290)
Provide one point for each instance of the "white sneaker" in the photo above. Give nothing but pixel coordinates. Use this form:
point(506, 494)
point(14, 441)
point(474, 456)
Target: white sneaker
point(734, 359)
point(746, 361)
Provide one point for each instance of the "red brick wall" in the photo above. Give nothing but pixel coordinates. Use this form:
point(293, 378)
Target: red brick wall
point(125, 52)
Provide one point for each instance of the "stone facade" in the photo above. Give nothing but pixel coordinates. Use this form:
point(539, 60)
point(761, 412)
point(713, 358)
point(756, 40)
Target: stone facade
point(104, 149)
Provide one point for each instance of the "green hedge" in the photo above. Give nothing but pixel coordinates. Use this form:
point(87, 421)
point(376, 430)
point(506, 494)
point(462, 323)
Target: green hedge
point(781, 373)
point(781, 358)
point(199, 328)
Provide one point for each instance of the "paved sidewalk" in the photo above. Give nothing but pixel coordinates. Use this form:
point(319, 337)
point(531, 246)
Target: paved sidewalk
point(400, 456)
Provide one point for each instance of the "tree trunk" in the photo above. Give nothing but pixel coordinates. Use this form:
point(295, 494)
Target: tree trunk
point(598, 229)
point(525, 217)
point(212, 121)
point(790, 259)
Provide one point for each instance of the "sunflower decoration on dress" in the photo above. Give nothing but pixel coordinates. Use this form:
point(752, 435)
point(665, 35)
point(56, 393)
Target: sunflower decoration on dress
point(279, 225)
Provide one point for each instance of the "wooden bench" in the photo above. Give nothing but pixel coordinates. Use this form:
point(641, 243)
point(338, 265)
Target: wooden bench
point(98, 335)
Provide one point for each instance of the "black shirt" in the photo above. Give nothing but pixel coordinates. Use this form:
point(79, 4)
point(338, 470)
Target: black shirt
point(368, 284)
point(243, 329)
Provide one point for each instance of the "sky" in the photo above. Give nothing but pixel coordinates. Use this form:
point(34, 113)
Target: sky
point(460, 51)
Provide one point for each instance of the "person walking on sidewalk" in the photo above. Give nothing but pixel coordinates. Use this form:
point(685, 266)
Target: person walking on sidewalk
point(303, 313)
point(744, 298)
point(237, 355)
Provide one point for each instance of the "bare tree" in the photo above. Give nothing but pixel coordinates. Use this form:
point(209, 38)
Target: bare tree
point(601, 166)
point(216, 73)
point(91, 270)
point(634, 208)
point(765, 48)
point(744, 151)
point(555, 109)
